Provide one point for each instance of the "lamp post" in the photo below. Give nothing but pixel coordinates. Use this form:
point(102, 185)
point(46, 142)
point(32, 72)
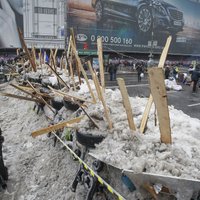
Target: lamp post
point(150, 62)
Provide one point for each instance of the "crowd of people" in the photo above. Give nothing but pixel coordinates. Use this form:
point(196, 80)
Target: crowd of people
point(187, 72)
point(190, 76)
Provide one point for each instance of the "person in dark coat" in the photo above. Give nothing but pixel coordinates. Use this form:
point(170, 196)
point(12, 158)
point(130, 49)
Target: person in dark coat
point(195, 78)
point(111, 71)
point(139, 71)
point(167, 72)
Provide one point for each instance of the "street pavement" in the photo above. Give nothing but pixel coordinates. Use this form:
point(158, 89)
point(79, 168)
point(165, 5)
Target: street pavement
point(184, 100)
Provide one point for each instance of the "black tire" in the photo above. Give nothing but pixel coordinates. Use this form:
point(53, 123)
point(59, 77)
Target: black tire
point(99, 10)
point(144, 20)
point(56, 104)
point(88, 140)
point(69, 105)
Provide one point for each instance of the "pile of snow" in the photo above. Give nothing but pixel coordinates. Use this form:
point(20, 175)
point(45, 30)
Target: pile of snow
point(37, 169)
point(145, 152)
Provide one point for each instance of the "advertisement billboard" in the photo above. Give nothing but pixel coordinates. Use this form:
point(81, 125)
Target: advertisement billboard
point(136, 25)
point(42, 23)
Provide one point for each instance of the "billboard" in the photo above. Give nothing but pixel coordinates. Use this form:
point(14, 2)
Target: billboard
point(42, 23)
point(136, 25)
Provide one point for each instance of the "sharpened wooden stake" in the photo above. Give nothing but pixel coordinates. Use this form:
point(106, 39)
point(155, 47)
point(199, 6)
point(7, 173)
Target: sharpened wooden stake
point(126, 102)
point(74, 44)
point(146, 114)
point(56, 127)
point(101, 66)
point(100, 93)
point(93, 77)
point(150, 100)
point(69, 47)
point(158, 91)
point(72, 75)
point(34, 55)
point(27, 51)
point(83, 72)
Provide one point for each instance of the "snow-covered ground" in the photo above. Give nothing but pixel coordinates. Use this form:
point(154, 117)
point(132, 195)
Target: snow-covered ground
point(39, 171)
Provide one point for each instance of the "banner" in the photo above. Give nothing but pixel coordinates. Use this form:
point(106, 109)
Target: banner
point(136, 25)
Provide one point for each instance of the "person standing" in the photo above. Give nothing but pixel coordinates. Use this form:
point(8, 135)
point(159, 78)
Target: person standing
point(111, 70)
point(139, 71)
point(167, 72)
point(195, 78)
point(115, 71)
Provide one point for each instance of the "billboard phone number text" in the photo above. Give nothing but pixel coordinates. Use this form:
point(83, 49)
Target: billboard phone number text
point(112, 40)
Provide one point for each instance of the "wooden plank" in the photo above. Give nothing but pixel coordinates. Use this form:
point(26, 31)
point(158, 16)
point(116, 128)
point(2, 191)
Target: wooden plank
point(19, 97)
point(146, 114)
point(27, 51)
point(165, 52)
point(150, 100)
point(83, 72)
point(56, 127)
point(100, 56)
point(107, 114)
point(127, 104)
point(158, 90)
point(49, 106)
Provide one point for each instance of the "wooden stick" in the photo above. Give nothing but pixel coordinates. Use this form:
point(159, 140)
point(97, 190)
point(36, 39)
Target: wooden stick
point(24, 89)
point(146, 114)
point(126, 103)
point(62, 81)
point(34, 56)
point(56, 127)
point(150, 100)
point(69, 47)
point(68, 95)
point(50, 107)
point(158, 90)
point(100, 55)
point(107, 115)
point(19, 97)
point(72, 75)
point(83, 72)
point(90, 118)
point(74, 44)
point(165, 52)
point(27, 51)
point(93, 77)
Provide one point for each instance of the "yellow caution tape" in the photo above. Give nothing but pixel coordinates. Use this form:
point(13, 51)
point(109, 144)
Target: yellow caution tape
point(101, 181)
